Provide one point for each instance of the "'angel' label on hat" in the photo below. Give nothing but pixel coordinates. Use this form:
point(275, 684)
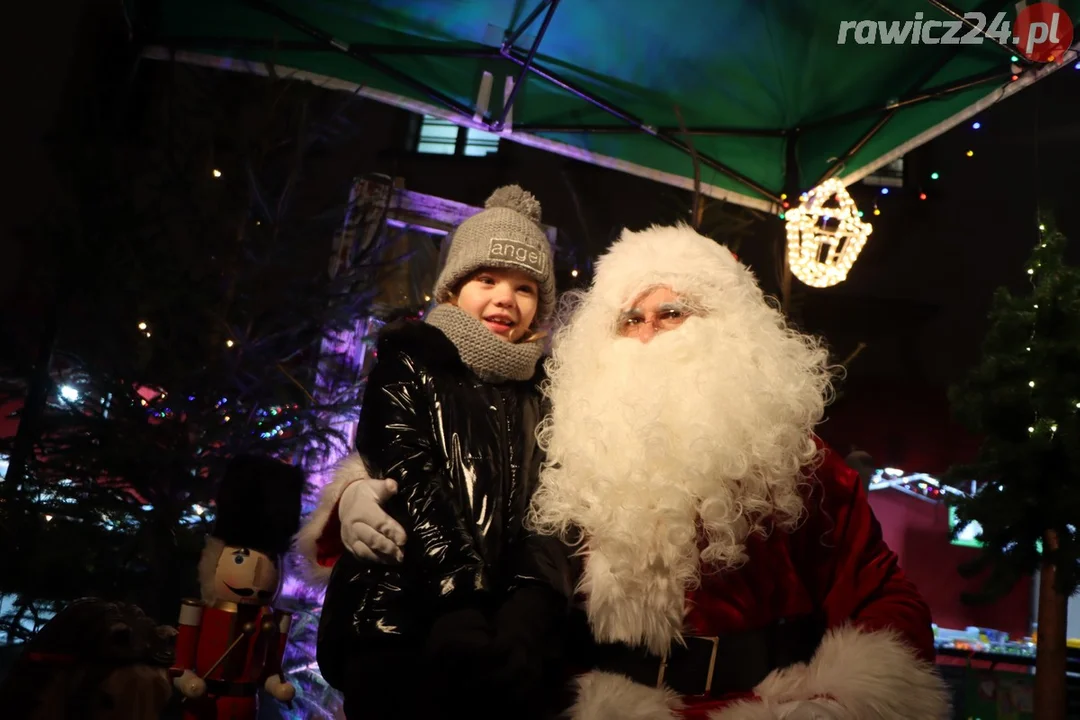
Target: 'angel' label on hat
point(517, 253)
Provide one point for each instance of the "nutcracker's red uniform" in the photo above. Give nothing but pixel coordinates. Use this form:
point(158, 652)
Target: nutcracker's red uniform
point(235, 648)
point(231, 643)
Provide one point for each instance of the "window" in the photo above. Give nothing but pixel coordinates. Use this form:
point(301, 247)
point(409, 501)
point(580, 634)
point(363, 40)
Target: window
point(442, 137)
point(891, 175)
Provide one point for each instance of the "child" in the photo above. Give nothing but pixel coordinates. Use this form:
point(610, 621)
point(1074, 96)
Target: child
point(450, 412)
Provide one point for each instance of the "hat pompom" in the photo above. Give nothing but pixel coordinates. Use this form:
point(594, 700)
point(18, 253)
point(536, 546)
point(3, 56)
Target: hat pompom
point(515, 198)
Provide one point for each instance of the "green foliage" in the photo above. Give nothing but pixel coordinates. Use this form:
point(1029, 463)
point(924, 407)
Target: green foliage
point(1023, 399)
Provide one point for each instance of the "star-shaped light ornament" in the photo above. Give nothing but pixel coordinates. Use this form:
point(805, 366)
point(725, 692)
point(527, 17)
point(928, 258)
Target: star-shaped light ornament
point(825, 235)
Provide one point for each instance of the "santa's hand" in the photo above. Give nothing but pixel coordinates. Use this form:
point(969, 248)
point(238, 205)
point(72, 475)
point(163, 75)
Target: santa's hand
point(821, 709)
point(366, 530)
point(190, 685)
point(281, 690)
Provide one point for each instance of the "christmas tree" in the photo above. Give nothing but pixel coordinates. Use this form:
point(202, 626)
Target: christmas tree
point(1023, 399)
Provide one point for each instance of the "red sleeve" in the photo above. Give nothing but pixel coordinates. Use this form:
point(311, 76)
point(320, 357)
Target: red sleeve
point(861, 579)
point(328, 546)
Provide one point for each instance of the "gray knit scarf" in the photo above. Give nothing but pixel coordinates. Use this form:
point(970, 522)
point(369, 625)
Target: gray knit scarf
point(492, 359)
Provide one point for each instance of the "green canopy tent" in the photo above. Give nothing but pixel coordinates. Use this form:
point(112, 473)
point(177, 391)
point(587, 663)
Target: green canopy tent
point(771, 96)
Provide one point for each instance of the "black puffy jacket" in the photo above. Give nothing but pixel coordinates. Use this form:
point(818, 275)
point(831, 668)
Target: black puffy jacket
point(465, 457)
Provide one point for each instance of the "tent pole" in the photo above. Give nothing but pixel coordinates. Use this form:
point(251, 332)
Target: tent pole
point(357, 53)
point(241, 43)
point(499, 124)
point(512, 36)
point(892, 108)
point(791, 189)
point(932, 93)
point(650, 129)
point(979, 29)
point(925, 96)
point(858, 145)
point(715, 131)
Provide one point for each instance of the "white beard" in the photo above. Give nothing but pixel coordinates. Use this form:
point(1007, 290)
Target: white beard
point(696, 439)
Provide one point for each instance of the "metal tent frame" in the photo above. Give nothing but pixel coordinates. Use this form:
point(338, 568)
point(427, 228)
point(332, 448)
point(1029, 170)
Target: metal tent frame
point(1022, 73)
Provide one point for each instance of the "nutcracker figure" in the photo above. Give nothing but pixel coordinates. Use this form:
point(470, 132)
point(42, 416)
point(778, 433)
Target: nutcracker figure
point(232, 641)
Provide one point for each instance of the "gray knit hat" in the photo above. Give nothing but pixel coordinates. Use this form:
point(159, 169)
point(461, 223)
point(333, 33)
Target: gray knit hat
point(506, 234)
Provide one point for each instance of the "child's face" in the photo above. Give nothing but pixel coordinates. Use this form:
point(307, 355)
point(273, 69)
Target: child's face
point(504, 300)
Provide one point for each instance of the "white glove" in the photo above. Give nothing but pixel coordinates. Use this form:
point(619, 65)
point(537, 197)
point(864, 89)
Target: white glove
point(190, 685)
point(368, 532)
point(281, 691)
point(823, 709)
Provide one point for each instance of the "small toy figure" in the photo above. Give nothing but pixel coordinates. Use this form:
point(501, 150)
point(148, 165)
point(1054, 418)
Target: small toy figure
point(95, 659)
point(232, 642)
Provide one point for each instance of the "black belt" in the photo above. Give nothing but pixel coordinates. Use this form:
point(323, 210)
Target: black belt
point(220, 688)
point(717, 666)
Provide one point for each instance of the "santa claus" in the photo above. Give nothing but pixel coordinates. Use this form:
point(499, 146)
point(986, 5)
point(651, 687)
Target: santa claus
point(731, 567)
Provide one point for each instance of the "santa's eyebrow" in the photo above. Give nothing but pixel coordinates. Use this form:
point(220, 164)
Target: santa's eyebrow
point(242, 551)
point(632, 313)
point(676, 305)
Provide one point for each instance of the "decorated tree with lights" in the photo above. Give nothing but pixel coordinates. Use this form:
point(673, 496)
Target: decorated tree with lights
point(189, 267)
point(1023, 399)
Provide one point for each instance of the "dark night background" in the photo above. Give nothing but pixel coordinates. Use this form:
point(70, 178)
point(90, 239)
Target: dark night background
point(911, 315)
point(917, 297)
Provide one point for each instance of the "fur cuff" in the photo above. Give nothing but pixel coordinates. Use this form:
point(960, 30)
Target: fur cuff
point(748, 710)
point(608, 696)
point(871, 674)
point(350, 469)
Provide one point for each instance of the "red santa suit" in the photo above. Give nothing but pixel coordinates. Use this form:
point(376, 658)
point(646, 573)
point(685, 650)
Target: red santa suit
point(732, 567)
point(830, 591)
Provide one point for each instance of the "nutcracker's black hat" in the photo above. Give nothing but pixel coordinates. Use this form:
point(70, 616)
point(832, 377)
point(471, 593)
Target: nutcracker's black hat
point(259, 504)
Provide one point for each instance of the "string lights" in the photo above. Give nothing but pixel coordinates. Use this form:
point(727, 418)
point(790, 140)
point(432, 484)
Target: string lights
point(825, 235)
point(922, 194)
point(1041, 425)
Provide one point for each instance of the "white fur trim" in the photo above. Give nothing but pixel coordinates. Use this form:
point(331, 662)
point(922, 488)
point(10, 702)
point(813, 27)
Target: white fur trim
point(873, 675)
point(676, 256)
point(350, 469)
point(747, 710)
point(609, 696)
point(208, 562)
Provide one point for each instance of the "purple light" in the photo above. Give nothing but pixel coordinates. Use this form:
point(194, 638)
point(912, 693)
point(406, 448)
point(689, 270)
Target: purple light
point(976, 125)
point(1076, 66)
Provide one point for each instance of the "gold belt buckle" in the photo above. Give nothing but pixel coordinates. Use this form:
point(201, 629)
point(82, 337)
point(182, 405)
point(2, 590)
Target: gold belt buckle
point(712, 662)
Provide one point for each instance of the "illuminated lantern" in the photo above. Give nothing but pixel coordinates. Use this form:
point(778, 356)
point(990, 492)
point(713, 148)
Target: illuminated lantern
point(825, 235)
